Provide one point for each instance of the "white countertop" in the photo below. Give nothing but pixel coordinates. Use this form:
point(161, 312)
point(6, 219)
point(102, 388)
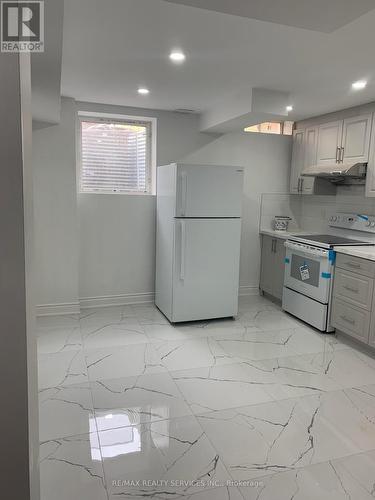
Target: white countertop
point(366, 252)
point(284, 235)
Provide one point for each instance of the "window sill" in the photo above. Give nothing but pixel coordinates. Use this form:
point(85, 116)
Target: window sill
point(111, 193)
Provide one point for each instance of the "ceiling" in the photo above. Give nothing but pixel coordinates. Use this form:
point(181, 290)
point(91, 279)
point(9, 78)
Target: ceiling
point(317, 15)
point(112, 47)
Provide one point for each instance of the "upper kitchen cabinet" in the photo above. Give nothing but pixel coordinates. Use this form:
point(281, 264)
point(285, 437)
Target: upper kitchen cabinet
point(304, 154)
point(345, 141)
point(311, 143)
point(355, 143)
point(298, 159)
point(329, 142)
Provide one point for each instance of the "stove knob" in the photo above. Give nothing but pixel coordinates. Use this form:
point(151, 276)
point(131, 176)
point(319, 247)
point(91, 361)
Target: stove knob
point(368, 223)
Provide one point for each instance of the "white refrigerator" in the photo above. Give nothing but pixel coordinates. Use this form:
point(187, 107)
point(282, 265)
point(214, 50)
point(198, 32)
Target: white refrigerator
point(198, 241)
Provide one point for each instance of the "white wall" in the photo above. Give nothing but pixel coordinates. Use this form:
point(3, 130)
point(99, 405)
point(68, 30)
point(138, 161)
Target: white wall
point(55, 202)
point(266, 159)
point(117, 246)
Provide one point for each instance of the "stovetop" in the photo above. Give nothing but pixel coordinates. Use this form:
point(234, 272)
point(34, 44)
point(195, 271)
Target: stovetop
point(327, 240)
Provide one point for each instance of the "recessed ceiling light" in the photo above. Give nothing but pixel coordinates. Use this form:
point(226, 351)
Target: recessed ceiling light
point(143, 91)
point(289, 108)
point(359, 85)
point(177, 56)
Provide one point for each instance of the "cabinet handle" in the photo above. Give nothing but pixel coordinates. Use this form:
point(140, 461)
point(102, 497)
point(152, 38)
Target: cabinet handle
point(338, 154)
point(299, 184)
point(354, 264)
point(302, 179)
point(183, 192)
point(348, 320)
point(350, 289)
point(183, 245)
point(342, 155)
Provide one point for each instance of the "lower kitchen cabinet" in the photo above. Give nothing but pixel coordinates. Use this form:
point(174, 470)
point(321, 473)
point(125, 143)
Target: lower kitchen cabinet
point(272, 268)
point(353, 321)
point(371, 338)
point(353, 306)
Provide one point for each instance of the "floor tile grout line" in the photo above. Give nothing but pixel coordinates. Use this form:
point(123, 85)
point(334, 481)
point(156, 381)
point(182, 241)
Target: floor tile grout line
point(196, 415)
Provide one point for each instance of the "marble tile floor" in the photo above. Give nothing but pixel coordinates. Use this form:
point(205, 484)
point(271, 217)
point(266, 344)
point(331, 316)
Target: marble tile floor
point(261, 407)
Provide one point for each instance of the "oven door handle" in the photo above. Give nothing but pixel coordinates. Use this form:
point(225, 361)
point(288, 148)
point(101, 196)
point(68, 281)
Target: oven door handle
point(297, 249)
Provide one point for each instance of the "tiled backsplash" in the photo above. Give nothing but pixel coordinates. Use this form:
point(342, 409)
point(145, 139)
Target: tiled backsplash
point(310, 213)
point(280, 204)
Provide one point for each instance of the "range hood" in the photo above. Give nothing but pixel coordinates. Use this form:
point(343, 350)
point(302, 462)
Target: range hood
point(337, 173)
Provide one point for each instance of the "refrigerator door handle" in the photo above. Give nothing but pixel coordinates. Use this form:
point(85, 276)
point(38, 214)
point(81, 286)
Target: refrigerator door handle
point(183, 245)
point(183, 192)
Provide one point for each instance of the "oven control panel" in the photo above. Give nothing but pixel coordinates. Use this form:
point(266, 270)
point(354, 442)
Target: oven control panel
point(358, 222)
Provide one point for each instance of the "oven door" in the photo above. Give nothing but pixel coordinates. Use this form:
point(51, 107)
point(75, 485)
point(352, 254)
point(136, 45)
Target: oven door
point(308, 270)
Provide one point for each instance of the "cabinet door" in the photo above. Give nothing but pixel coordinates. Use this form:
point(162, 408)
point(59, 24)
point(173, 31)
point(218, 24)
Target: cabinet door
point(311, 146)
point(351, 320)
point(371, 338)
point(278, 269)
point(297, 160)
point(329, 139)
point(267, 267)
point(370, 178)
point(356, 138)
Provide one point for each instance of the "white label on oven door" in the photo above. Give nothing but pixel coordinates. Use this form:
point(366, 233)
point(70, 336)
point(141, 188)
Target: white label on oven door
point(305, 273)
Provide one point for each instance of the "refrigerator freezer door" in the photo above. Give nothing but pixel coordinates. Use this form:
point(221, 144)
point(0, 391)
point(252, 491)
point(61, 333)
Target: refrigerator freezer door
point(209, 191)
point(206, 268)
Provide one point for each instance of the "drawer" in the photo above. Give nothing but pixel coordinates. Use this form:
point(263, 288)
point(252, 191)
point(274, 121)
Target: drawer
point(351, 320)
point(353, 288)
point(356, 265)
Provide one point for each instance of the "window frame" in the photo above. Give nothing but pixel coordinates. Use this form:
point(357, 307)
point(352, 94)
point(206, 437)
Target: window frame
point(98, 117)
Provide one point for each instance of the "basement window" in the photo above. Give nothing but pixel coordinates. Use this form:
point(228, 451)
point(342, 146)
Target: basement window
point(278, 128)
point(116, 155)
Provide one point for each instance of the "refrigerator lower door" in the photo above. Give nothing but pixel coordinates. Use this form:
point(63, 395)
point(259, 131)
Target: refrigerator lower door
point(206, 269)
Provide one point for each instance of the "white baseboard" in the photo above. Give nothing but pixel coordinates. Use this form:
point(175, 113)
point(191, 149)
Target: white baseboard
point(113, 300)
point(117, 300)
point(58, 309)
point(248, 290)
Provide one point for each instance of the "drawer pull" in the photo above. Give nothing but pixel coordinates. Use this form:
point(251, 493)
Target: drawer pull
point(354, 264)
point(348, 320)
point(350, 289)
